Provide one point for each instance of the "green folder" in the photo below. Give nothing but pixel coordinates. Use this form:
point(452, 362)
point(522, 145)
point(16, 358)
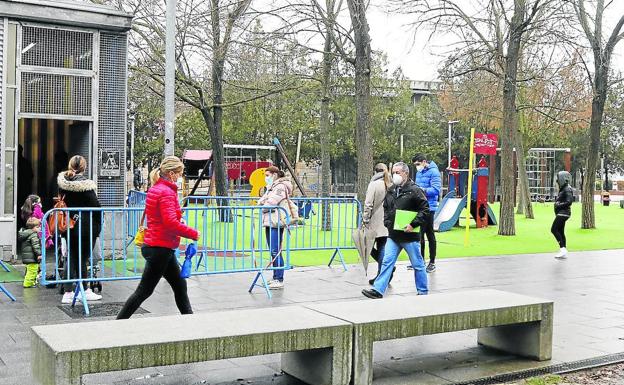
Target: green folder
point(402, 218)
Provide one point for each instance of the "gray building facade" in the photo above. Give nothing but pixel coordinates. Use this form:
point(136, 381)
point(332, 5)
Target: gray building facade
point(63, 68)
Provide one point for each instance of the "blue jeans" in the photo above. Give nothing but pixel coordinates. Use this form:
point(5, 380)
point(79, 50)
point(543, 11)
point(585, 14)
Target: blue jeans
point(391, 254)
point(274, 238)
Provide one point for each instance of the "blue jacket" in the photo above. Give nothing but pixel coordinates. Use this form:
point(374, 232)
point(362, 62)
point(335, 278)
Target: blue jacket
point(430, 181)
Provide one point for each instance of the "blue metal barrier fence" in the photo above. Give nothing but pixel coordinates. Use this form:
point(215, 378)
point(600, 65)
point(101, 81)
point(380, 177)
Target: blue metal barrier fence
point(242, 246)
point(2, 288)
point(326, 223)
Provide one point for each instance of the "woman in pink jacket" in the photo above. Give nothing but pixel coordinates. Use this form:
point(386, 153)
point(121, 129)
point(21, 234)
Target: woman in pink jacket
point(279, 189)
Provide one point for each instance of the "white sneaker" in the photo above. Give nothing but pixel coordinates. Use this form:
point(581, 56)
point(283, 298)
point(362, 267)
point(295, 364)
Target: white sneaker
point(68, 297)
point(562, 254)
point(91, 296)
point(276, 285)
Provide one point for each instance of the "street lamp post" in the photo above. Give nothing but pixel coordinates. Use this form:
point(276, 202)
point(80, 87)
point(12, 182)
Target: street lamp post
point(170, 77)
point(450, 136)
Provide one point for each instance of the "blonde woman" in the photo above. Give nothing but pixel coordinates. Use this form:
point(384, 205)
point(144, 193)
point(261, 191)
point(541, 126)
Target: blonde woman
point(162, 238)
point(373, 214)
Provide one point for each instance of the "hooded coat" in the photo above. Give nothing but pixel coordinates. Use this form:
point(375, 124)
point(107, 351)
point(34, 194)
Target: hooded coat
point(430, 181)
point(566, 195)
point(29, 245)
point(81, 192)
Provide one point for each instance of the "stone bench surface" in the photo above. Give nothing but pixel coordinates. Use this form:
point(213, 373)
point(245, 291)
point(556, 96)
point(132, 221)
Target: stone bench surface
point(171, 329)
point(395, 308)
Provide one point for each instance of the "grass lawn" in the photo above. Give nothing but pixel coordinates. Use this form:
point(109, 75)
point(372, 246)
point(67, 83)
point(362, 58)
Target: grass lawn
point(532, 236)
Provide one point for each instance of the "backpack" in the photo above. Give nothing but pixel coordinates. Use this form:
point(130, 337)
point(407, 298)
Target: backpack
point(58, 219)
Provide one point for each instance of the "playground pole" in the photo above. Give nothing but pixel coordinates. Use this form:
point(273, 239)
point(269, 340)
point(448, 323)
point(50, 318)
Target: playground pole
point(170, 67)
point(469, 196)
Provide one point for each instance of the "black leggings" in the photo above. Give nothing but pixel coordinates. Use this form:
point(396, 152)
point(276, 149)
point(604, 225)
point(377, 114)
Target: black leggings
point(558, 230)
point(78, 255)
point(427, 229)
point(159, 262)
point(380, 244)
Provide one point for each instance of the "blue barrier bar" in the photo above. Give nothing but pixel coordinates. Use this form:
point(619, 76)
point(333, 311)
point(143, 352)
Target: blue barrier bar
point(230, 254)
point(7, 292)
point(343, 214)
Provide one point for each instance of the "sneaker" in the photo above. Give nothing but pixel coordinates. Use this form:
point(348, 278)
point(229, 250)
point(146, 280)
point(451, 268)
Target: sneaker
point(91, 296)
point(371, 293)
point(276, 285)
point(562, 254)
point(431, 267)
point(68, 297)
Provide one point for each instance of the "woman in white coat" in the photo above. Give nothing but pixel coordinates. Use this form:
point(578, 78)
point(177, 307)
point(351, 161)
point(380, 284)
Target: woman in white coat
point(373, 215)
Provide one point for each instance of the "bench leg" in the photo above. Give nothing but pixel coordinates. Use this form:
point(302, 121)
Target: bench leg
point(327, 366)
point(362, 357)
point(532, 340)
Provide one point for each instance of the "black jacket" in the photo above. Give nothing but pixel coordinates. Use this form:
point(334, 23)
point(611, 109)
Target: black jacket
point(80, 192)
point(411, 198)
point(564, 201)
point(29, 245)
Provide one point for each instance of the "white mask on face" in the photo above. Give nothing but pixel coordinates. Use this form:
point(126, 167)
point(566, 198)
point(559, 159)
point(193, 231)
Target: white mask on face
point(420, 167)
point(397, 179)
point(268, 180)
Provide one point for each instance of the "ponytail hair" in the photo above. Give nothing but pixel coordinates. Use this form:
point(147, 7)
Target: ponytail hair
point(381, 167)
point(154, 176)
point(276, 170)
point(77, 165)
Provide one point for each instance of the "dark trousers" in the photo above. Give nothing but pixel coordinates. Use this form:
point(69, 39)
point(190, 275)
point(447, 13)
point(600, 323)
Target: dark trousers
point(558, 230)
point(378, 252)
point(159, 262)
point(78, 256)
point(427, 229)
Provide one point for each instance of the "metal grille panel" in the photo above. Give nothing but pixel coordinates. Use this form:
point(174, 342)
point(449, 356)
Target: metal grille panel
point(112, 113)
point(50, 94)
point(57, 48)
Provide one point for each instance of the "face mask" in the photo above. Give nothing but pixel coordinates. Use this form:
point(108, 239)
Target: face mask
point(268, 180)
point(420, 168)
point(397, 179)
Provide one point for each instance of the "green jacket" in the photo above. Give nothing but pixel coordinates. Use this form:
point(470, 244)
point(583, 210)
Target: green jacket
point(29, 245)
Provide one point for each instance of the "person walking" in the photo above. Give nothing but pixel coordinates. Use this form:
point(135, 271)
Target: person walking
point(162, 238)
point(562, 212)
point(428, 178)
point(373, 214)
point(278, 191)
point(404, 195)
point(79, 191)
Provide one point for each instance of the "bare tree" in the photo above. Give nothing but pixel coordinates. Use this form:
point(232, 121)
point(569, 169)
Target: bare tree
point(602, 53)
point(492, 39)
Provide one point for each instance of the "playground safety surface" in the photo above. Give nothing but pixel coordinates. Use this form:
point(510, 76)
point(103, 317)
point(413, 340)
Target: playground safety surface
point(588, 322)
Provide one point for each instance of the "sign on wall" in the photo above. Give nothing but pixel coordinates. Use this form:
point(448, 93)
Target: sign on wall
point(110, 163)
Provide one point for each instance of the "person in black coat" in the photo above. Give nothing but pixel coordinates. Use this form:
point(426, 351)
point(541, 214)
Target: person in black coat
point(562, 211)
point(78, 191)
point(404, 195)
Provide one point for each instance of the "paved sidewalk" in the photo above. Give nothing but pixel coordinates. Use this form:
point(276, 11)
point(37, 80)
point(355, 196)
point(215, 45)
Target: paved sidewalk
point(588, 290)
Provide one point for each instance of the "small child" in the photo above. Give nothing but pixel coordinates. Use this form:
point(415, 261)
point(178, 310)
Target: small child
point(32, 209)
point(30, 250)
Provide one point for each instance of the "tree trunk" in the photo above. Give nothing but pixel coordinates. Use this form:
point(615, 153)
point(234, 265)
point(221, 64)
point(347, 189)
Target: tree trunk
point(523, 180)
point(357, 11)
point(506, 224)
point(598, 103)
point(324, 119)
point(216, 134)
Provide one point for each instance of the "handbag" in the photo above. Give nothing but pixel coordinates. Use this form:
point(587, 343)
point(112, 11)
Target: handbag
point(58, 221)
point(187, 265)
point(139, 237)
point(278, 218)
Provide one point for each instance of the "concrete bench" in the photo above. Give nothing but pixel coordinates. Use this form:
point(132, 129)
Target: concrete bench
point(509, 322)
point(316, 348)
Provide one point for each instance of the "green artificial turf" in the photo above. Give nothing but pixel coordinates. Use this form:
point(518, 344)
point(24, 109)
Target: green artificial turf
point(244, 233)
point(11, 276)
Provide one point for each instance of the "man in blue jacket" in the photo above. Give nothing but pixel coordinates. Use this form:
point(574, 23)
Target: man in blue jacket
point(428, 178)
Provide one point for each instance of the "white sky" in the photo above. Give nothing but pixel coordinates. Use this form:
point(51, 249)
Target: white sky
point(420, 59)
